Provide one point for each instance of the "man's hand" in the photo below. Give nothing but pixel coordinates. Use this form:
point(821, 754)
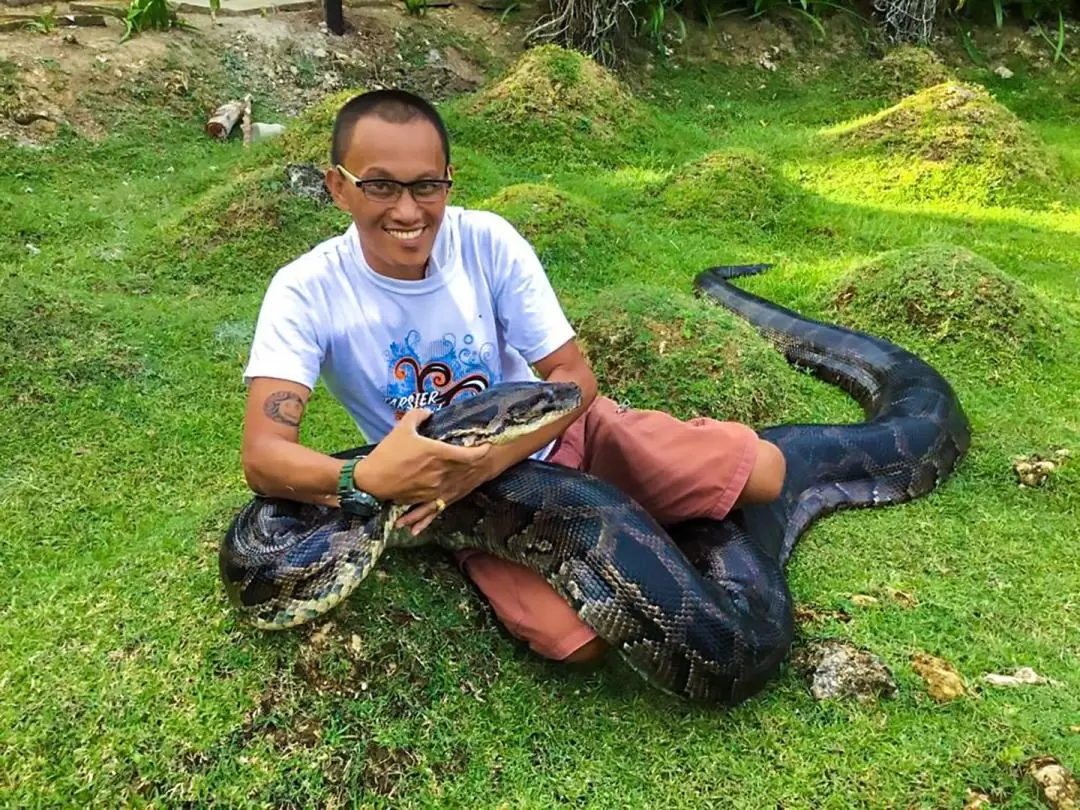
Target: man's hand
point(566, 364)
point(408, 468)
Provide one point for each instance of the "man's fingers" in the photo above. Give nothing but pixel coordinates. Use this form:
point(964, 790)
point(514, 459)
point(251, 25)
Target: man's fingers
point(419, 517)
point(463, 455)
point(414, 417)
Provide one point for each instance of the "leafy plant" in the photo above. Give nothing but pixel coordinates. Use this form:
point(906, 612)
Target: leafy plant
point(44, 24)
point(153, 14)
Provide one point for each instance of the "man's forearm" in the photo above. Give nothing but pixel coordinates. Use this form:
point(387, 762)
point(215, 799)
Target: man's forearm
point(284, 469)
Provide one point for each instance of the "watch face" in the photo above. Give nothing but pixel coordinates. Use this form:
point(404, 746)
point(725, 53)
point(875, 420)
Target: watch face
point(360, 503)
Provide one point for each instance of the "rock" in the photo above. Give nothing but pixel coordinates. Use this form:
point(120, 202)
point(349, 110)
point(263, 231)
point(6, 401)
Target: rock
point(306, 180)
point(837, 670)
point(975, 800)
point(1024, 676)
point(943, 682)
point(319, 53)
point(1003, 72)
point(1034, 470)
point(1057, 785)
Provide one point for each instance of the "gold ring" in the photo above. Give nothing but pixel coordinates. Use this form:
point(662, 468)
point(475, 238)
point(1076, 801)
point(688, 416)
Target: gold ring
point(440, 504)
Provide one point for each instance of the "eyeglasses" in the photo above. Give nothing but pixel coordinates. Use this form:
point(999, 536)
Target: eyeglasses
point(383, 190)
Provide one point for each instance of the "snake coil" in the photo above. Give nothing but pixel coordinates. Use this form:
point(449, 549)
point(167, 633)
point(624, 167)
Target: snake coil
point(701, 609)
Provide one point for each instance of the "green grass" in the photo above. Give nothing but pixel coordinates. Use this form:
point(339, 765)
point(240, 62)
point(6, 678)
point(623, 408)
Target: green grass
point(126, 680)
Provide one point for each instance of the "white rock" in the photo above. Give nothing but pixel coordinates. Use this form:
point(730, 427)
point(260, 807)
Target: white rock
point(1003, 72)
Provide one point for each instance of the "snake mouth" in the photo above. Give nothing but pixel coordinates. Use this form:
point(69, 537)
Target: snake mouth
point(512, 433)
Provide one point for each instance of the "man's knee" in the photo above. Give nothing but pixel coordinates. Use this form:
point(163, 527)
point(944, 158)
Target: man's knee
point(587, 652)
point(767, 478)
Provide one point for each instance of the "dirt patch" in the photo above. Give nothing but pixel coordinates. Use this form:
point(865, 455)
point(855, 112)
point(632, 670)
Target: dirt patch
point(80, 77)
point(661, 349)
point(730, 187)
point(387, 769)
point(944, 294)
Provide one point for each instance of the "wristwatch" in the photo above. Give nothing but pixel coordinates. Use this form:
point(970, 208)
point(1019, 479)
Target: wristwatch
point(353, 500)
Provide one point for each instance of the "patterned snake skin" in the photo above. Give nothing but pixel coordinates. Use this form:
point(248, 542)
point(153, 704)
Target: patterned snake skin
point(707, 617)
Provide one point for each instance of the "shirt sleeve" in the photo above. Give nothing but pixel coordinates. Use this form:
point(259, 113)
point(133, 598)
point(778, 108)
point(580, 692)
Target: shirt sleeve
point(288, 343)
point(528, 310)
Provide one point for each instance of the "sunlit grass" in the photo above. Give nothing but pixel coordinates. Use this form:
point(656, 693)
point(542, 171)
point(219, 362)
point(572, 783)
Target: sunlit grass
point(126, 679)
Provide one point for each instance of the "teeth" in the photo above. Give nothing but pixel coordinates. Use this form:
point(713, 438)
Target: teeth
point(405, 234)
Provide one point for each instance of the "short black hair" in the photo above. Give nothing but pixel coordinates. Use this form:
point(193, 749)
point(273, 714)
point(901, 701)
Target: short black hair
point(395, 106)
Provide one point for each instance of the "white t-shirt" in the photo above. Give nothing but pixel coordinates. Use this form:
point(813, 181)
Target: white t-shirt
point(484, 312)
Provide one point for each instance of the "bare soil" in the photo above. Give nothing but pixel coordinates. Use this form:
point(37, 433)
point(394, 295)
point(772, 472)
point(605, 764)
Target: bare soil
point(286, 60)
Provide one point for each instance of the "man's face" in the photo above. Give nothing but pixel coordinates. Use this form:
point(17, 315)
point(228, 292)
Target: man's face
point(397, 236)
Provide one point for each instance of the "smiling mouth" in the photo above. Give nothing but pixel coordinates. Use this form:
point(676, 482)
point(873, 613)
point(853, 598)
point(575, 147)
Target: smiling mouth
point(404, 236)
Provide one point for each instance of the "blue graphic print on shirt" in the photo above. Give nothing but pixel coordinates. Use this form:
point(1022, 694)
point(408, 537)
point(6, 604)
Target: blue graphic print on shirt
point(431, 375)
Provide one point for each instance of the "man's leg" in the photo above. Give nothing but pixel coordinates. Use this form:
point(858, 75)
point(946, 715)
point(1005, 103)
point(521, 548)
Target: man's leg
point(676, 470)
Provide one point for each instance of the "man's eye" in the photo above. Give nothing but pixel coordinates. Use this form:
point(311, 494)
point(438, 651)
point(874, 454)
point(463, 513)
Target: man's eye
point(381, 186)
point(426, 188)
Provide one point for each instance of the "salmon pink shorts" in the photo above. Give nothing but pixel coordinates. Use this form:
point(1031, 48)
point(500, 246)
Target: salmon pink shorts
point(676, 470)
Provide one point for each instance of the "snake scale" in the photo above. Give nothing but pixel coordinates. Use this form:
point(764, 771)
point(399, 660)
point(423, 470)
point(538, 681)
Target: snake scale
point(701, 609)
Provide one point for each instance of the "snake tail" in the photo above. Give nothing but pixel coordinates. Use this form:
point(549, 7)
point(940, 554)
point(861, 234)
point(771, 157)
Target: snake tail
point(914, 434)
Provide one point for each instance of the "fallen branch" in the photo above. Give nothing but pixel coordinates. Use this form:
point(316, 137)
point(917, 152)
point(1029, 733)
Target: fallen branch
point(223, 120)
point(245, 126)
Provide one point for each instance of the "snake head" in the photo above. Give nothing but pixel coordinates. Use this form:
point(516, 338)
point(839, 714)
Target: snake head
point(502, 413)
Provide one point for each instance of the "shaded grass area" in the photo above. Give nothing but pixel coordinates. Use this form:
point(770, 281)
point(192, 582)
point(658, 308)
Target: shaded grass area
point(127, 679)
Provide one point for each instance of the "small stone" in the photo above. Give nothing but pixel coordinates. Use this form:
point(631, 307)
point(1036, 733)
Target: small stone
point(863, 600)
point(975, 799)
point(1058, 787)
point(305, 180)
point(1022, 677)
point(1003, 72)
point(943, 682)
point(837, 670)
point(319, 53)
point(34, 249)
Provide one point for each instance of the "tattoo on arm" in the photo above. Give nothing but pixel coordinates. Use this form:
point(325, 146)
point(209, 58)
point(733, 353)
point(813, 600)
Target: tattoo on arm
point(284, 407)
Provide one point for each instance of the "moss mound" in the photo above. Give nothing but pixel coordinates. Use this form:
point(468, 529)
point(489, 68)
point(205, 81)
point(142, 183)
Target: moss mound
point(558, 225)
point(943, 294)
point(553, 105)
point(248, 205)
point(953, 140)
point(237, 234)
point(307, 137)
point(905, 70)
point(684, 355)
point(729, 186)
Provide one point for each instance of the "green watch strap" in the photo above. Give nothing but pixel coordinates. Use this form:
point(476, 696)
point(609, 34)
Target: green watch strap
point(352, 499)
point(346, 484)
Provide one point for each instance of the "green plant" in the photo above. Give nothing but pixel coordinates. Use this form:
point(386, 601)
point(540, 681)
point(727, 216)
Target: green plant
point(153, 14)
point(45, 23)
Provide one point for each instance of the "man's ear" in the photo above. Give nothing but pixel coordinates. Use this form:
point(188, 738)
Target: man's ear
point(335, 184)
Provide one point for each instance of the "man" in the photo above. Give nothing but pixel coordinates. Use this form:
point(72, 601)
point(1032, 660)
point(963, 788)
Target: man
point(419, 302)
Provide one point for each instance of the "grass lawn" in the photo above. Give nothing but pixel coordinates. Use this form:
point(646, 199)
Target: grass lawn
point(125, 678)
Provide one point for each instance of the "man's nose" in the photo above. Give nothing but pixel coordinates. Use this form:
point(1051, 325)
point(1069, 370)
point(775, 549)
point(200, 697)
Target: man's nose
point(406, 208)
